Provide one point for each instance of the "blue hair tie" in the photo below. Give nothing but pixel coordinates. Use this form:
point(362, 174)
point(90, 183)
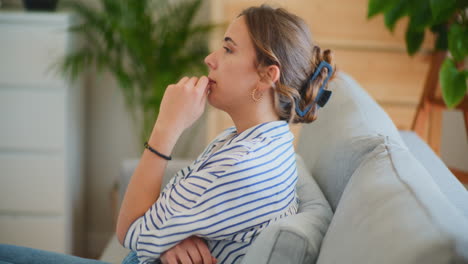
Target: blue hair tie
point(323, 95)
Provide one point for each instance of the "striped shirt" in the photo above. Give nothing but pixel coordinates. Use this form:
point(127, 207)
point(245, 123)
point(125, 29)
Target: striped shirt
point(238, 186)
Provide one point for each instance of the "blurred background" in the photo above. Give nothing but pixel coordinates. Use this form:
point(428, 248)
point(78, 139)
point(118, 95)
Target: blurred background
point(62, 143)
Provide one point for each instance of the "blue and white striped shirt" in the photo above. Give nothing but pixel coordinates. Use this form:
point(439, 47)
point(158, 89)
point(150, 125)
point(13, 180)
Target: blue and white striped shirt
point(239, 185)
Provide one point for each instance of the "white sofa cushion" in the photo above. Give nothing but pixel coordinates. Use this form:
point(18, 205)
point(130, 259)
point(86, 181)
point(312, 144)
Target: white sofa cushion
point(391, 211)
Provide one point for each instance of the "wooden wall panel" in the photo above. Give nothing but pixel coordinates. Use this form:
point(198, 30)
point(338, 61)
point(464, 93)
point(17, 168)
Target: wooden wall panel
point(334, 22)
point(389, 77)
point(402, 115)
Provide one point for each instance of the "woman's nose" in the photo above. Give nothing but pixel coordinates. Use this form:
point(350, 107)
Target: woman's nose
point(209, 60)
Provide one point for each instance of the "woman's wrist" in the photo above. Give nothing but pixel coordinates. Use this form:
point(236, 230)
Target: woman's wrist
point(163, 139)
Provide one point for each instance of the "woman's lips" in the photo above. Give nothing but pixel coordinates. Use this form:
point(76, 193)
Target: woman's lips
point(210, 84)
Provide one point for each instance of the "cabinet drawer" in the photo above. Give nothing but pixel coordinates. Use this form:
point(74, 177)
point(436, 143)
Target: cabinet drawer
point(32, 184)
point(47, 233)
point(35, 48)
point(32, 119)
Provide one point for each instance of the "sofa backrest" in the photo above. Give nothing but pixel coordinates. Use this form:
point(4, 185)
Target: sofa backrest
point(391, 211)
point(349, 126)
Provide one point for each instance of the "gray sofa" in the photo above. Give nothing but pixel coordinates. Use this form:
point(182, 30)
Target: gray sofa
point(368, 193)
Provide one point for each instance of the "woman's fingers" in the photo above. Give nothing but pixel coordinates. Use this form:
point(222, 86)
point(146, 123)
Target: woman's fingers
point(169, 257)
point(202, 84)
point(202, 88)
point(192, 250)
point(198, 83)
point(183, 80)
point(204, 252)
point(194, 254)
point(183, 255)
point(191, 82)
point(183, 103)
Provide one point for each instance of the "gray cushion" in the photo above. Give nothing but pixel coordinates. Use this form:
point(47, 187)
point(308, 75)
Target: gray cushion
point(391, 211)
point(333, 144)
point(338, 162)
point(297, 238)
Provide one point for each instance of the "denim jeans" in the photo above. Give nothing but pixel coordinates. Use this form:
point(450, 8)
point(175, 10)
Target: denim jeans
point(132, 258)
point(22, 255)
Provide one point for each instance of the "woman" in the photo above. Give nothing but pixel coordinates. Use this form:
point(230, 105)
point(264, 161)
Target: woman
point(266, 74)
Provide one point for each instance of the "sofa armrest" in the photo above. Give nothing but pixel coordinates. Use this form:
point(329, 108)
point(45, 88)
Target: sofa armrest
point(447, 182)
point(114, 252)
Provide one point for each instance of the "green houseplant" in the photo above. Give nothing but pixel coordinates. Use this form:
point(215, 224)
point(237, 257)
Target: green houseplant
point(144, 44)
point(448, 20)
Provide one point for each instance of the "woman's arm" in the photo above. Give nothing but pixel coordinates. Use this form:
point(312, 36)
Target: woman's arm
point(182, 104)
point(145, 184)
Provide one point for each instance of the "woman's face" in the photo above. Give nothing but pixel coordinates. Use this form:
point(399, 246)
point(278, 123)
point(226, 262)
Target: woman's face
point(233, 68)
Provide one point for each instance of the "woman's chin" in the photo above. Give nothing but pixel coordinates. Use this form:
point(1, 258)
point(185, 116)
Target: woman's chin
point(212, 100)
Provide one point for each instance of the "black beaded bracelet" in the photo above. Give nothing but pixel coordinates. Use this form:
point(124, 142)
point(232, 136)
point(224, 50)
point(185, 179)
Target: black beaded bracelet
point(156, 152)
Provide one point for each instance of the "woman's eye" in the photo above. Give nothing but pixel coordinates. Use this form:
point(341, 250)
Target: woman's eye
point(227, 50)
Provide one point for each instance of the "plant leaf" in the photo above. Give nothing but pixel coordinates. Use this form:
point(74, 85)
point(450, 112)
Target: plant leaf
point(414, 40)
point(442, 10)
point(396, 12)
point(462, 4)
point(453, 83)
point(378, 6)
point(420, 15)
point(145, 44)
point(458, 41)
point(441, 32)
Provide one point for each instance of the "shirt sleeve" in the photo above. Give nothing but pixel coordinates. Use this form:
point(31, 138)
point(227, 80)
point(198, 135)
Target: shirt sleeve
point(211, 202)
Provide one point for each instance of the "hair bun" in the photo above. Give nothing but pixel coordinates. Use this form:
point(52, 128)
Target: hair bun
point(311, 88)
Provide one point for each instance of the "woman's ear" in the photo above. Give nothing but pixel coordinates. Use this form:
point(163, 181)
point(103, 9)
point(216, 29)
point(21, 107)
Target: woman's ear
point(271, 74)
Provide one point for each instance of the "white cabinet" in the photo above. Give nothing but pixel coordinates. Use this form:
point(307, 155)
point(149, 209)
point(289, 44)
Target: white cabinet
point(41, 135)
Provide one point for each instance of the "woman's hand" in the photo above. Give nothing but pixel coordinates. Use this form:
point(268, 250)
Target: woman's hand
point(183, 103)
point(190, 250)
